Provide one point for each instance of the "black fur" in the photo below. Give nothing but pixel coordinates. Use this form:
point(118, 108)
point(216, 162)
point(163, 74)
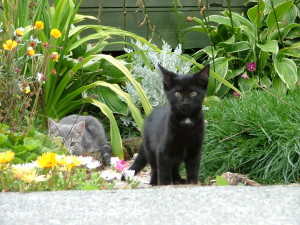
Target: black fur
point(174, 133)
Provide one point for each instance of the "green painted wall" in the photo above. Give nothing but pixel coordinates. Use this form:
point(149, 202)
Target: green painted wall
point(125, 14)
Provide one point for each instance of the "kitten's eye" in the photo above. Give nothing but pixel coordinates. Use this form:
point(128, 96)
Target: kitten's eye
point(177, 94)
point(73, 144)
point(193, 93)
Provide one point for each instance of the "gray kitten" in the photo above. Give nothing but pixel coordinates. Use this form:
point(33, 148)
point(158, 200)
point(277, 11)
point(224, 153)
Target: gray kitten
point(81, 134)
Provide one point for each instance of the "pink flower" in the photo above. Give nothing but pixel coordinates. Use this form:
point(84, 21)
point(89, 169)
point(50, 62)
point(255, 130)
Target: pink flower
point(236, 94)
point(121, 165)
point(245, 76)
point(251, 66)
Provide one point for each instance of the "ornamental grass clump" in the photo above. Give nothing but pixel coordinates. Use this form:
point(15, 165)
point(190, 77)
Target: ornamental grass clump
point(255, 134)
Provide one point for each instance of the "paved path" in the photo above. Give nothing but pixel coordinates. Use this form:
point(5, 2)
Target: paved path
point(207, 205)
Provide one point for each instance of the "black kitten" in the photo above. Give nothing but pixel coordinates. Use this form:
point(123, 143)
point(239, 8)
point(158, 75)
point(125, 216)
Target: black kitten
point(174, 133)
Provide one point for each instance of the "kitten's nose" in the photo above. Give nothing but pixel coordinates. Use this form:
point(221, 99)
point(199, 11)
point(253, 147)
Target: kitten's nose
point(185, 102)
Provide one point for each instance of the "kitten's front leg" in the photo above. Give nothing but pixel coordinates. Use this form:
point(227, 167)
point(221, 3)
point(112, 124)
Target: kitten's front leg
point(106, 153)
point(176, 178)
point(164, 169)
point(192, 165)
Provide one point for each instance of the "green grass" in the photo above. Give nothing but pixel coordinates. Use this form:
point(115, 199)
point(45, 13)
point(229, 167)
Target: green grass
point(257, 135)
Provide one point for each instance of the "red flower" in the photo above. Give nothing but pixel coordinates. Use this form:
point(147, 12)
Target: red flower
point(236, 94)
point(251, 66)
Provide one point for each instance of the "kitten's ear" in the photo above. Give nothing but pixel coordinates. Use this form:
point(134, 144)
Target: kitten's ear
point(79, 128)
point(53, 128)
point(202, 75)
point(168, 77)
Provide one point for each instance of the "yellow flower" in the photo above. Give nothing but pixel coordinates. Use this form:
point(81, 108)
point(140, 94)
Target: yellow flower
point(54, 56)
point(69, 161)
point(10, 45)
point(30, 51)
point(25, 89)
point(55, 33)
point(19, 32)
point(6, 157)
point(47, 160)
point(39, 25)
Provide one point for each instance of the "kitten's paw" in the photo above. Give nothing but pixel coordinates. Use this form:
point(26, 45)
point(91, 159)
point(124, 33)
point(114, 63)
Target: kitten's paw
point(192, 182)
point(123, 177)
point(181, 181)
point(153, 183)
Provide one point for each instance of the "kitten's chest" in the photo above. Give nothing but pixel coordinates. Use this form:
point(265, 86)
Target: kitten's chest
point(184, 134)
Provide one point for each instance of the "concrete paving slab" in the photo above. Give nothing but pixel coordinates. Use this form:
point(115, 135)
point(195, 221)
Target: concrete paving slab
point(207, 205)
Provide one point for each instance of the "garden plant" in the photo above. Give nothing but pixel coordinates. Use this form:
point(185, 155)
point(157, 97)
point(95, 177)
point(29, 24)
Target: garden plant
point(259, 48)
point(49, 69)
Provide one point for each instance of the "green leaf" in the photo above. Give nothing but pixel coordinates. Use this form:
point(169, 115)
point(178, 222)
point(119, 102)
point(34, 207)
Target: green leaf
point(280, 11)
point(20, 149)
point(235, 47)
point(268, 7)
point(278, 85)
point(210, 51)
point(222, 20)
point(283, 31)
point(212, 73)
point(112, 73)
point(197, 28)
point(110, 98)
point(248, 84)
point(263, 56)
point(243, 21)
point(221, 68)
point(31, 157)
point(252, 14)
point(134, 110)
point(211, 101)
point(270, 46)
point(287, 71)
point(90, 187)
point(30, 143)
point(3, 138)
point(293, 50)
point(116, 141)
point(265, 81)
point(143, 97)
point(291, 15)
point(4, 126)
point(221, 181)
point(17, 161)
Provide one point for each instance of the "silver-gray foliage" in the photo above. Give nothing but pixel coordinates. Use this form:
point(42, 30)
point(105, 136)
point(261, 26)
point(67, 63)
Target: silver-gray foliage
point(151, 78)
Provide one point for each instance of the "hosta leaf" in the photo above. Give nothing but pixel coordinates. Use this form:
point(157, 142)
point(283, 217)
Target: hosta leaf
point(221, 68)
point(270, 46)
point(248, 84)
point(287, 71)
point(280, 11)
point(236, 47)
point(265, 81)
point(278, 85)
point(253, 14)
